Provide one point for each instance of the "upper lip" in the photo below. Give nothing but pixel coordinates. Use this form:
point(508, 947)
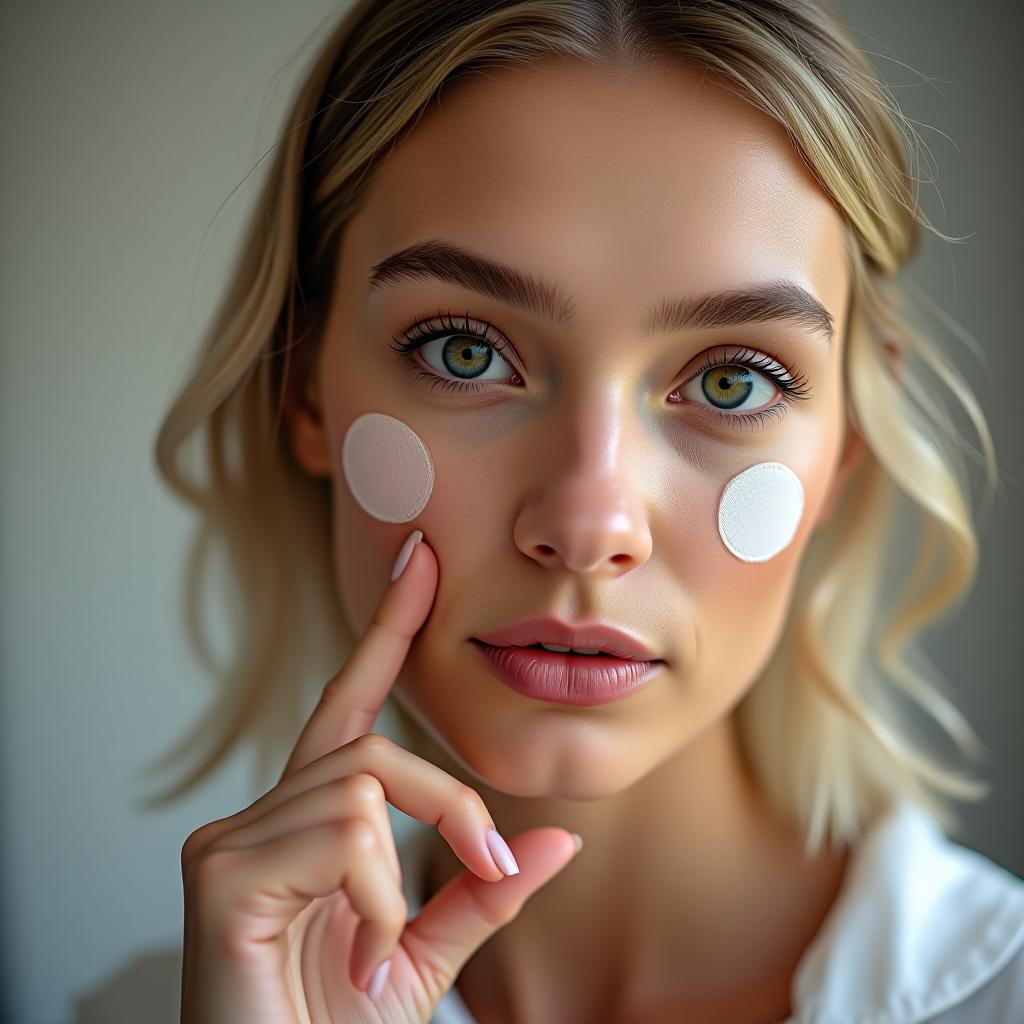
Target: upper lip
point(585, 635)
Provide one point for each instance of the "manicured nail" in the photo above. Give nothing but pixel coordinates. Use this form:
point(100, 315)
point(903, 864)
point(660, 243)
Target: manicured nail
point(578, 840)
point(377, 980)
point(406, 553)
point(502, 855)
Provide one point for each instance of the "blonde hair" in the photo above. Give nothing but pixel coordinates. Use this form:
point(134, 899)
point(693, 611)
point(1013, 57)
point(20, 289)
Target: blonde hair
point(827, 728)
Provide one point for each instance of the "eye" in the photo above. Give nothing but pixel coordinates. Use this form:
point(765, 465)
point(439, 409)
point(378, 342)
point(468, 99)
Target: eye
point(461, 356)
point(460, 353)
point(735, 387)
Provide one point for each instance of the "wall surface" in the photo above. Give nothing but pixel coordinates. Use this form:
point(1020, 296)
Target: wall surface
point(127, 126)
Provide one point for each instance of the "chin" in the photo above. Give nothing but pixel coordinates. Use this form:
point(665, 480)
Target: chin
point(529, 755)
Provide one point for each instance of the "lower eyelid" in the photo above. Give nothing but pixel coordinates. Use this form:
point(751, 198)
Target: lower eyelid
point(753, 420)
point(739, 419)
point(435, 380)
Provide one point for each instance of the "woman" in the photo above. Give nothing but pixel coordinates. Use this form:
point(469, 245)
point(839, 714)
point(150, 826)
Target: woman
point(573, 325)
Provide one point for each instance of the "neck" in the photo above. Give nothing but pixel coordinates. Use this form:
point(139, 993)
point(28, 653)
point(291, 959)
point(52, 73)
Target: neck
point(689, 891)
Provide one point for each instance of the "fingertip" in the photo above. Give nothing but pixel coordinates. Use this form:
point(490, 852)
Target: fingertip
point(405, 553)
point(378, 980)
point(408, 598)
point(420, 568)
point(500, 852)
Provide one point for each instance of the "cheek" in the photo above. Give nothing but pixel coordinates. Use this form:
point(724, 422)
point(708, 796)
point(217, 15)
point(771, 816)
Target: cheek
point(386, 474)
point(724, 528)
point(734, 562)
point(387, 467)
point(389, 476)
point(761, 527)
point(759, 511)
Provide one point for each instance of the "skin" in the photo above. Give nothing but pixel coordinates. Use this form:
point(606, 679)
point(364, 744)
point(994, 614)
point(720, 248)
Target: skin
point(586, 494)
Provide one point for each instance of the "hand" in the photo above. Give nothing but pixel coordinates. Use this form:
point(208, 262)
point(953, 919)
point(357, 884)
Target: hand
point(292, 903)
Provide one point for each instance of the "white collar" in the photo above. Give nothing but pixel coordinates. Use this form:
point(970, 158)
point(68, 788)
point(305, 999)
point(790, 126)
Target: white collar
point(921, 922)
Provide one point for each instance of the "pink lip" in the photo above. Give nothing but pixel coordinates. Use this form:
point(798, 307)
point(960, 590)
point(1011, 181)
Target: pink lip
point(580, 680)
point(591, 635)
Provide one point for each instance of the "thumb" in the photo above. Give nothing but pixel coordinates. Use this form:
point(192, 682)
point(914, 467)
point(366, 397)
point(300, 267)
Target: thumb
point(468, 910)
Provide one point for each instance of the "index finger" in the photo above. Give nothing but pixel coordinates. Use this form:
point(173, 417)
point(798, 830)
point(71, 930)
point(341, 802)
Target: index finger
point(352, 698)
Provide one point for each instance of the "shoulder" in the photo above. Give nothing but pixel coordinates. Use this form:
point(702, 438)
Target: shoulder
point(924, 929)
point(1000, 1000)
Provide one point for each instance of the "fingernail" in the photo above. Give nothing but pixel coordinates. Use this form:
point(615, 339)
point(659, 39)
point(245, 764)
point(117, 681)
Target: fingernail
point(578, 840)
point(502, 855)
point(377, 980)
point(406, 553)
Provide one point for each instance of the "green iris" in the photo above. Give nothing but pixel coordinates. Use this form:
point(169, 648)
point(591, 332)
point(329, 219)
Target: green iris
point(728, 386)
point(466, 358)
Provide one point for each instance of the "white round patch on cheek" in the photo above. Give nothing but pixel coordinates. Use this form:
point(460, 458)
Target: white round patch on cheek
point(760, 510)
point(387, 467)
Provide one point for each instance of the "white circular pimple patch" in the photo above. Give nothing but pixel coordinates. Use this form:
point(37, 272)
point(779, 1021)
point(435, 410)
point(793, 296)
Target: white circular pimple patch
point(760, 510)
point(387, 467)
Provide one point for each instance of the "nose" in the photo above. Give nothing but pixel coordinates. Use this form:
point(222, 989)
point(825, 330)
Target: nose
point(586, 513)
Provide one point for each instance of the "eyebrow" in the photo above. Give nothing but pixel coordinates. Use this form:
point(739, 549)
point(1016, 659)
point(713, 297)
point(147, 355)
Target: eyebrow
point(445, 261)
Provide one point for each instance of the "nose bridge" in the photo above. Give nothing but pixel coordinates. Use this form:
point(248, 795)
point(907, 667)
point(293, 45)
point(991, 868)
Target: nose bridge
point(597, 428)
point(586, 512)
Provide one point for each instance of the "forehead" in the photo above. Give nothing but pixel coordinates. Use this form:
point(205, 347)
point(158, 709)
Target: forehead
point(617, 184)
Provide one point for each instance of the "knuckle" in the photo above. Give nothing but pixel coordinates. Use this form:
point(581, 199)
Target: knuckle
point(470, 799)
point(399, 915)
point(208, 876)
point(392, 912)
point(192, 846)
point(364, 788)
point(357, 836)
point(373, 745)
point(211, 867)
point(332, 688)
point(188, 849)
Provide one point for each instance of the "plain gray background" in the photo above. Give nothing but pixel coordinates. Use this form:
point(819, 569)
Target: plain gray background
point(126, 125)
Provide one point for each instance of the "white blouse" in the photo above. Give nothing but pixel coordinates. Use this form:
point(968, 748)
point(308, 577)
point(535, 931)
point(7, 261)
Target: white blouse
point(923, 929)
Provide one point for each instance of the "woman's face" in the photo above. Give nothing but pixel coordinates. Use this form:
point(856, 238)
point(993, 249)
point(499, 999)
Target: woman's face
point(580, 463)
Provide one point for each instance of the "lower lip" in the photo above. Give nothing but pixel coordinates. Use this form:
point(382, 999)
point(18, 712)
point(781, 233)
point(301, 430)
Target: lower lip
point(580, 680)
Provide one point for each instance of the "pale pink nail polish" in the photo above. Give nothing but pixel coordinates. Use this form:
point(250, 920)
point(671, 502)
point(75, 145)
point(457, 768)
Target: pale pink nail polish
point(406, 553)
point(377, 980)
point(502, 855)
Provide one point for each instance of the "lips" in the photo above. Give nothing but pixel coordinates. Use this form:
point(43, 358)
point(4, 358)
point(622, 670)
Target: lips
point(608, 639)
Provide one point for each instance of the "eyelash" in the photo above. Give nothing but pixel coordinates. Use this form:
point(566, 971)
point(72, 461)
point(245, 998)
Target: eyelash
point(793, 388)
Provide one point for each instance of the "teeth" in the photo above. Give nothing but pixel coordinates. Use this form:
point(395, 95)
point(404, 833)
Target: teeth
point(576, 650)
